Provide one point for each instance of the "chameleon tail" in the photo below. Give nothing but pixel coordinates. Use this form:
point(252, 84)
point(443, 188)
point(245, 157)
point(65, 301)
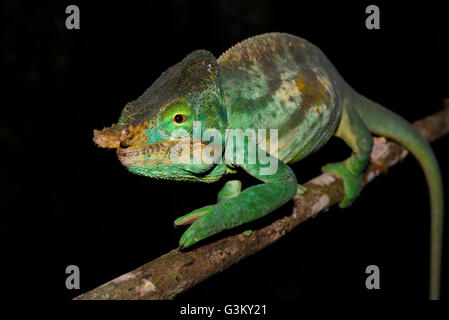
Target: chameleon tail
point(383, 122)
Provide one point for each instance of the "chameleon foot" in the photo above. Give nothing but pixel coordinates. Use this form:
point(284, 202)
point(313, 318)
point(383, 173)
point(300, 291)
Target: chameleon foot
point(189, 218)
point(352, 182)
point(209, 222)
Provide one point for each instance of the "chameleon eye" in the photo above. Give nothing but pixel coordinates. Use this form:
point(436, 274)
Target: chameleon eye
point(180, 118)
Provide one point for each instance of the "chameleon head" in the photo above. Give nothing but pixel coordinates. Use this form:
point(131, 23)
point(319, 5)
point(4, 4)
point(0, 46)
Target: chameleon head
point(144, 135)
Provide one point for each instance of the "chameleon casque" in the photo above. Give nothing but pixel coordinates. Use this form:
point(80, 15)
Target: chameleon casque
point(271, 81)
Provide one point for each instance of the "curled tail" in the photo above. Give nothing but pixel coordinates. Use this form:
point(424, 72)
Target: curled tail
point(385, 123)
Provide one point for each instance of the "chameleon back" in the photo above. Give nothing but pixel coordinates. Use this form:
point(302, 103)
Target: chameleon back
point(280, 81)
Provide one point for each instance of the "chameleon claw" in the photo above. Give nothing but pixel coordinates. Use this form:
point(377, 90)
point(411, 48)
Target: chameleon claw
point(187, 240)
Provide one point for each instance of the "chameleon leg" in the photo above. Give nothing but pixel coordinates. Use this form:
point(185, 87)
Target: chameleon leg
point(231, 189)
point(252, 203)
point(356, 135)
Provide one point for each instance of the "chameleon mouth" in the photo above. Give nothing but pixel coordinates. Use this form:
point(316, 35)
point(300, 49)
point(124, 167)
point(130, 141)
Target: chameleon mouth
point(135, 155)
point(163, 153)
point(124, 151)
point(165, 160)
point(129, 142)
point(142, 158)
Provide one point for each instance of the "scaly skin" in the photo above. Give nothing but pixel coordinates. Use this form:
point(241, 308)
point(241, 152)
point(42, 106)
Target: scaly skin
point(272, 81)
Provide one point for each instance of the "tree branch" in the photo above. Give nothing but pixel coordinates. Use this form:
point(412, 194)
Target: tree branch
point(177, 271)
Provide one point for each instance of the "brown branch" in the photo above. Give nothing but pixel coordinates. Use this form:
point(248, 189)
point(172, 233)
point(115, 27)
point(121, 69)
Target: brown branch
point(177, 271)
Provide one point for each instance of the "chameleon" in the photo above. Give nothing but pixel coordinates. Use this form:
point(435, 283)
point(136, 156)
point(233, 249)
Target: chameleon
point(274, 81)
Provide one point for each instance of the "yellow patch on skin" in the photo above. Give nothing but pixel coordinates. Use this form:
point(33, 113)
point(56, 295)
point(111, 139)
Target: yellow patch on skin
point(325, 83)
point(288, 90)
point(315, 91)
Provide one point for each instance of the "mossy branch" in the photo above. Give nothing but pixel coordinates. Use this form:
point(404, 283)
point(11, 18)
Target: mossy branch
point(177, 271)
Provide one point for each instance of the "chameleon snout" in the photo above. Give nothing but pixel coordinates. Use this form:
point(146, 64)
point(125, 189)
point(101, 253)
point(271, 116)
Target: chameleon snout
point(113, 137)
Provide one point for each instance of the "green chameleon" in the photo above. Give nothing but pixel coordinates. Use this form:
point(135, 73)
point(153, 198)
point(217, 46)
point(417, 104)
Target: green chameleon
point(271, 81)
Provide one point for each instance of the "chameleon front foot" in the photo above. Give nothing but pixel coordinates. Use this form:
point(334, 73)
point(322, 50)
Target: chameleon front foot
point(230, 190)
point(352, 182)
point(189, 218)
point(206, 222)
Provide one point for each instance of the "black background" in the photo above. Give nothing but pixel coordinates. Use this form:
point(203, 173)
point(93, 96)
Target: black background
point(64, 201)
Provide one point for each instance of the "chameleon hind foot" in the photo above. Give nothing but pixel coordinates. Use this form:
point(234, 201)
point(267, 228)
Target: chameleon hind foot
point(352, 182)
